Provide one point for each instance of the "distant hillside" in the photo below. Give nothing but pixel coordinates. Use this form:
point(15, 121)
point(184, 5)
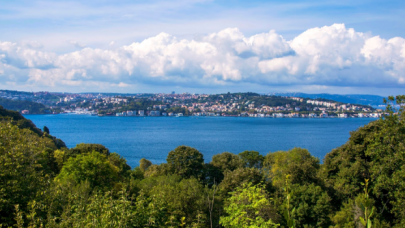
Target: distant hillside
point(350, 98)
point(17, 105)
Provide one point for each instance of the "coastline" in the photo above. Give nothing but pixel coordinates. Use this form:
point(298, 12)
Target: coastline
point(208, 116)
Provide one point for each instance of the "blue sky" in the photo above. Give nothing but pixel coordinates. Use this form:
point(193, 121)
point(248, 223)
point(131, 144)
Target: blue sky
point(40, 42)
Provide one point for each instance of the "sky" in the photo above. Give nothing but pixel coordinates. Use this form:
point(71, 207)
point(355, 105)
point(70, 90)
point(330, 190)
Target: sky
point(203, 46)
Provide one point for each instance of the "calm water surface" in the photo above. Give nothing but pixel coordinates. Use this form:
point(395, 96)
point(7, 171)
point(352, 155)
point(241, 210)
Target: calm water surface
point(153, 137)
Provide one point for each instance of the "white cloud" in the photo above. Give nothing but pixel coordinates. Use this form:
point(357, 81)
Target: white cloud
point(77, 44)
point(32, 44)
point(327, 56)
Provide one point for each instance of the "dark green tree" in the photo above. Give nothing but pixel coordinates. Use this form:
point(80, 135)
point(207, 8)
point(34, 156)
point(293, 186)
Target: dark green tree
point(46, 130)
point(212, 175)
point(312, 206)
point(84, 148)
point(374, 152)
point(238, 177)
point(251, 159)
point(185, 161)
point(226, 161)
point(144, 164)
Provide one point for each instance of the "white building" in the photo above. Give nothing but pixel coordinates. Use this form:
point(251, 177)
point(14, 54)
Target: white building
point(278, 115)
point(342, 115)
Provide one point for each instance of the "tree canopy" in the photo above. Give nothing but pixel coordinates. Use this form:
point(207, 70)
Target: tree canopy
point(185, 161)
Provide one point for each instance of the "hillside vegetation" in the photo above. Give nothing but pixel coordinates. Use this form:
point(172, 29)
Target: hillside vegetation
point(360, 184)
point(17, 105)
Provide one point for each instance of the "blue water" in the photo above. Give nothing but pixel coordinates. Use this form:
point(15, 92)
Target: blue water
point(153, 137)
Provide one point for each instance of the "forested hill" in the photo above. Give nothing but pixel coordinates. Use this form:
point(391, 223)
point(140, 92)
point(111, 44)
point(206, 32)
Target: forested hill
point(18, 105)
point(362, 99)
point(15, 118)
point(359, 184)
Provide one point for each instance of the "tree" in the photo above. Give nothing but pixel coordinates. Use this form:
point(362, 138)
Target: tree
point(374, 152)
point(226, 161)
point(23, 169)
point(144, 164)
point(46, 130)
point(346, 167)
point(312, 206)
point(93, 167)
point(167, 199)
point(251, 159)
point(121, 163)
point(183, 199)
point(212, 175)
point(298, 163)
point(238, 177)
point(84, 148)
point(386, 153)
point(157, 170)
point(358, 212)
point(185, 161)
point(249, 206)
point(77, 206)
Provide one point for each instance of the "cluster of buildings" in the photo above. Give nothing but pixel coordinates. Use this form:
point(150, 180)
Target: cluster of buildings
point(172, 104)
point(246, 114)
point(39, 97)
point(337, 106)
point(204, 105)
point(147, 113)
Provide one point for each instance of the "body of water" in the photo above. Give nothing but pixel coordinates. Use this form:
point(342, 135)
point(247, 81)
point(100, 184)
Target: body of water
point(153, 137)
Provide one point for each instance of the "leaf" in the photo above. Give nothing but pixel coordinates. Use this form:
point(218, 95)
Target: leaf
point(362, 221)
point(371, 213)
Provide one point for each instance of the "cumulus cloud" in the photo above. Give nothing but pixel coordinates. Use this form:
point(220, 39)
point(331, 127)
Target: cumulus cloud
point(327, 56)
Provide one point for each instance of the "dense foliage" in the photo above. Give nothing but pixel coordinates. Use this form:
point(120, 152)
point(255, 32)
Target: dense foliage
point(360, 184)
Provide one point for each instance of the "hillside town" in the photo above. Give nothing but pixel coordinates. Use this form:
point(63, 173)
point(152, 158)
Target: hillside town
point(186, 104)
point(237, 106)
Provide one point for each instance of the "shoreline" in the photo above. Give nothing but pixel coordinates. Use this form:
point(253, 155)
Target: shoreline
point(261, 117)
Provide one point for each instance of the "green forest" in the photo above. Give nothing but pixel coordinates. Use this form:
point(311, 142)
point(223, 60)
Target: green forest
point(359, 184)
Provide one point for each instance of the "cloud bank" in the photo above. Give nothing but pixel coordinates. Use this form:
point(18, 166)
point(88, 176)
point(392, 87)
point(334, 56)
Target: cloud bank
point(327, 56)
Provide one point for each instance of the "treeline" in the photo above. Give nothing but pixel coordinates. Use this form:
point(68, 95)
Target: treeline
point(360, 184)
point(17, 105)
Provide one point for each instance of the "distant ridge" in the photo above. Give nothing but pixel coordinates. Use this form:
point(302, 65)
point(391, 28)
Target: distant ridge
point(363, 99)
